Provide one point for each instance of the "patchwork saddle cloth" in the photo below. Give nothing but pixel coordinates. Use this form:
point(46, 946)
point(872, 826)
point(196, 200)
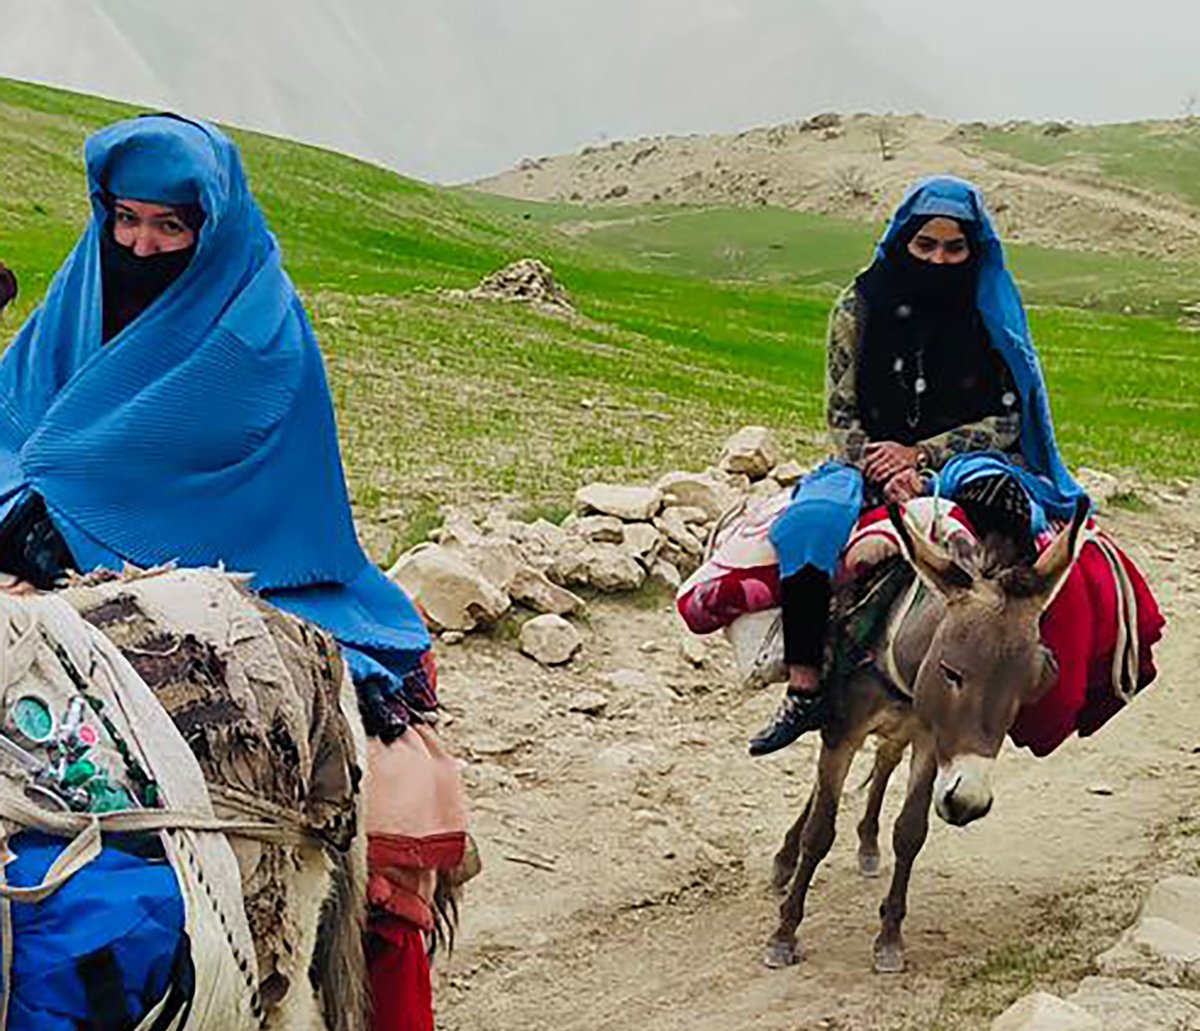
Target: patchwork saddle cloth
point(1102, 625)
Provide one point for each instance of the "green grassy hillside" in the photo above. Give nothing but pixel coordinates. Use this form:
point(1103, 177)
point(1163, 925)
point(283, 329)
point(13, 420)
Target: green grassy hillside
point(1153, 156)
point(692, 322)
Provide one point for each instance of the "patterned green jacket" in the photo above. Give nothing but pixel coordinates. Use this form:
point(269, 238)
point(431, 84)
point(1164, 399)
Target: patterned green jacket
point(847, 436)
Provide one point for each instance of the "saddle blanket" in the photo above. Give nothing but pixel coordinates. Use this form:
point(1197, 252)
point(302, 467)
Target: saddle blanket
point(1102, 625)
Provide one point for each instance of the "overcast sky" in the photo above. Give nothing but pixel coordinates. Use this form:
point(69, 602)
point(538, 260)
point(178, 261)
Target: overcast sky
point(455, 89)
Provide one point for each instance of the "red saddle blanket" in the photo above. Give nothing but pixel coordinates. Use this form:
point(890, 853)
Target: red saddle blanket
point(1102, 625)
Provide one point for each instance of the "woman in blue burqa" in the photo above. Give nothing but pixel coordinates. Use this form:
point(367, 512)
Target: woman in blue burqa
point(168, 403)
point(931, 376)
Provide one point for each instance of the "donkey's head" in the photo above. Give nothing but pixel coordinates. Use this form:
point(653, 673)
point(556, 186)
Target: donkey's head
point(986, 659)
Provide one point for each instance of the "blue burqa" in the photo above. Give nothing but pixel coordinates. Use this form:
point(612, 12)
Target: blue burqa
point(814, 529)
point(1044, 473)
point(203, 433)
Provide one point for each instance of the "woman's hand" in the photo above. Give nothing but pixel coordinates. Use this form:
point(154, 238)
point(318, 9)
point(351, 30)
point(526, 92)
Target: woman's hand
point(886, 459)
point(904, 486)
point(13, 585)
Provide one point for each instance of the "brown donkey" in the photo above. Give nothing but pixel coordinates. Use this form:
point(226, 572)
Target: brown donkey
point(968, 653)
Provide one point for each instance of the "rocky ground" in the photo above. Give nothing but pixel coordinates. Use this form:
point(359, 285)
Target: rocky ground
point(627, 837)
point(1148, 978)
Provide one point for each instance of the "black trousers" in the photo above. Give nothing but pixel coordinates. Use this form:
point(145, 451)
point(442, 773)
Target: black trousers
point(806, 599)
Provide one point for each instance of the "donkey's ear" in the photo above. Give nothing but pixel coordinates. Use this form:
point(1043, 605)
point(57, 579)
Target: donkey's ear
point(931, 562)
point(1056, 561)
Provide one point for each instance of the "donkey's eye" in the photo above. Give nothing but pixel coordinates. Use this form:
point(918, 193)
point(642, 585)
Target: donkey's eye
point(953, 677)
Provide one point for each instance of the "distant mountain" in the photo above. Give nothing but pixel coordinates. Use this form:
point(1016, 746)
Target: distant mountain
point(451, 90)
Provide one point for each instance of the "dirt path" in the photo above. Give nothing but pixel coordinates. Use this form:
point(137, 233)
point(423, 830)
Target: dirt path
point(627, 850)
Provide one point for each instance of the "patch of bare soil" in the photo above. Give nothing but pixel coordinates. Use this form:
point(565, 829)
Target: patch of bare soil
point(859, 166)
point(627, 839)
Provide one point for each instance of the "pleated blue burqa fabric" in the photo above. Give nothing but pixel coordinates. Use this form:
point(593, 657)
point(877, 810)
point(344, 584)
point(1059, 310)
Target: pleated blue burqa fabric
point(204, 432)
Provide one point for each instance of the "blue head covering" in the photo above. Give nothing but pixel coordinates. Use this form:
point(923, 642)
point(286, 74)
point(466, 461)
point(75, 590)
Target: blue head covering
point(204, 431)
point(999, 303)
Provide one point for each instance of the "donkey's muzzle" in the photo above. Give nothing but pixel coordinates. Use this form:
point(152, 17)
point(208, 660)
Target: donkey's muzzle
point(962, 792)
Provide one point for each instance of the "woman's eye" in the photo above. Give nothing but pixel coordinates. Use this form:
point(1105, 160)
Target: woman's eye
point(126, 218)
point(172, 228)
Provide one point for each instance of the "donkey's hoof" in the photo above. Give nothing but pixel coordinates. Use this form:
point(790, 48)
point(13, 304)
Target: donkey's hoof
point(889, 959)
point(869, 864)
point(780, 954)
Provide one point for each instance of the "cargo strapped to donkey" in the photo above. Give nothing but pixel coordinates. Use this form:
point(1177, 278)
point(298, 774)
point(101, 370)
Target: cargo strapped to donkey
point(104, 806)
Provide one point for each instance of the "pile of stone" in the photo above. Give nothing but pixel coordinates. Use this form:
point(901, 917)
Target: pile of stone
point(1148, 980)
point(618, 538)
point(528, 281)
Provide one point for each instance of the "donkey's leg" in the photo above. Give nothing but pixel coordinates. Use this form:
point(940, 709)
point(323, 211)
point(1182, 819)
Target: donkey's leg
point(789, 852)
point(887, 758)
point(816, 839)
point(908, 837)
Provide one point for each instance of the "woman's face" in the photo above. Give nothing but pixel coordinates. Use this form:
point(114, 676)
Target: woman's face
point(940, 241)
point(148, 229)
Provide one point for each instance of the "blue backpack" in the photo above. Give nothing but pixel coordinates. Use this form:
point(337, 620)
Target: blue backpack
point(107, 949)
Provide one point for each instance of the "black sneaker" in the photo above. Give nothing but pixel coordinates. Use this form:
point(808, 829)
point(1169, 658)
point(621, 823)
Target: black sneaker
point(797, 713)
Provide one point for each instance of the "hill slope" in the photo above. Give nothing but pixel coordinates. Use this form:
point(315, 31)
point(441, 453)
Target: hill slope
point(1130, 188)
point(443, 400)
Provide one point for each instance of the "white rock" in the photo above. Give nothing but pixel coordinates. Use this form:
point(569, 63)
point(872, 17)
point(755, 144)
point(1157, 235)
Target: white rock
point(676, 530)
point(603, 529)
point(452, 637)
point(453, 594)
point(500, 524)
point(1163, 947)
point(787, 474)
point(700, 490)
point(611, 569)
point(752, 451)
point(550, 640)
point(1129, 1006)
point(739, 483)
point(766, 488)
point(1156, 951)
point(541, 542)
point(1043, 1012)
point(690, 514)
point(497, 558)
point(533, 589)
point(665, 574)
point(458, 529)
point(633, 504)
point(607, 567)
point(1176, 899)
point(694, 650)
point(569, 567)
point(590, 703)
point(643, 541)
point(684, 560)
